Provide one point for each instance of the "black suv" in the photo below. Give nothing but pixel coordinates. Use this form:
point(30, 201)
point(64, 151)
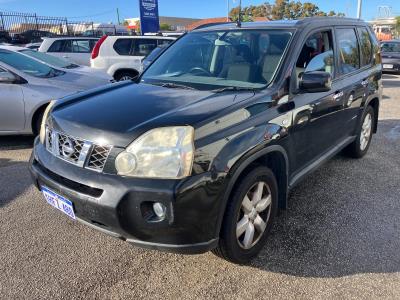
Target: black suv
point(199, 152)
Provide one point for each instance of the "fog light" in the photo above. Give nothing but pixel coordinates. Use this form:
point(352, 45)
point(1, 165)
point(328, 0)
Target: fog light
point(159, 210)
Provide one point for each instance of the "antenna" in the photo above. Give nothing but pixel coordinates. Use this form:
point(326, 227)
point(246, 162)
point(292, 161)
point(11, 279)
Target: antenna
point(239, 20)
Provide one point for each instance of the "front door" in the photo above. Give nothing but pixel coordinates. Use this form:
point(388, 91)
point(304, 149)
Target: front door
point(317, 123)
point(12, 109)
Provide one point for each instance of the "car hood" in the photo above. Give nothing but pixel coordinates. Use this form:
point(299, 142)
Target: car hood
point(88, 71)
point(119, 113)
point(395, 55)
point(78, 81)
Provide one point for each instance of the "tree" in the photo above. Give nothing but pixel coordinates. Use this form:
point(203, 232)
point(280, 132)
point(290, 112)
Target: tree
point(281, 9)
point(397, 26)
point(165, 27)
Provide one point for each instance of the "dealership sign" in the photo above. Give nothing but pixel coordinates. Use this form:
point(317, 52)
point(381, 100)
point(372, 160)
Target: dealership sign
point(149, 20)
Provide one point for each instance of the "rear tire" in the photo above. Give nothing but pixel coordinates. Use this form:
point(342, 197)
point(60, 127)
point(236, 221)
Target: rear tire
point(248, 217)
point(359, 147)
point(125, 75)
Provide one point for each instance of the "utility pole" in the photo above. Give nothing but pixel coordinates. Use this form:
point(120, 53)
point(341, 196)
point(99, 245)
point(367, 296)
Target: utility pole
point(228, 6)
point(239, 21)
point(359, 9)
point(119, 23)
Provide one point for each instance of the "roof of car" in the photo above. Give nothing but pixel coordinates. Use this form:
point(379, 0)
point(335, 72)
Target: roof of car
point(12, 48)
point(143, 37)
point(315, 21)
point(70, 38)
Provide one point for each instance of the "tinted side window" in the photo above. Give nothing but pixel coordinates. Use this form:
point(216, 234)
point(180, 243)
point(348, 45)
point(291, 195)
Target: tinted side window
point(164, 42)
point(123, 46)
point(143, 47)
point(349, 56)
point(57, 46)
point(365, 46)
point(81, 46)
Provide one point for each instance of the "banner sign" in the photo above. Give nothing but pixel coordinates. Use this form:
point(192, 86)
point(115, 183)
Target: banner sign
point(149, 20)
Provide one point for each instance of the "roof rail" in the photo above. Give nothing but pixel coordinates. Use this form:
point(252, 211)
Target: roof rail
point(211, 24)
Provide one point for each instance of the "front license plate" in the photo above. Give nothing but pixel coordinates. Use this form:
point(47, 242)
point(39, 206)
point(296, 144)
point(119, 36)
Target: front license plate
point(387, 66)
point(59, 202)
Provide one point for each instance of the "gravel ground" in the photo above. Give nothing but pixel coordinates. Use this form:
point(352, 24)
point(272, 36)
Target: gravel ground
point(340, 238)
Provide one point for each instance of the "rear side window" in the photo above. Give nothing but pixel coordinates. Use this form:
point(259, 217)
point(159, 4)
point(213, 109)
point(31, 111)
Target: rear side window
point(57, 46)
point(365, 46)
point(349, 55)
point(164, 42)
point(143, 47)
point(123, 46)
point(81, 46)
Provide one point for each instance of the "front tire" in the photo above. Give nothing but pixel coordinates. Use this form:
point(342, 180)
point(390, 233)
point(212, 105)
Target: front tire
point(249, 216)
point(359, 147)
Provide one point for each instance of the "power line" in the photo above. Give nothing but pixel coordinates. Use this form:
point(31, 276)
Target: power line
point(94, 15)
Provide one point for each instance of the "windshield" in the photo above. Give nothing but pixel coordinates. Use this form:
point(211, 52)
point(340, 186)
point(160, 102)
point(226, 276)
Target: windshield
point(245, 59)
point(391, 47)
point(27, 65)
point(155, 53)
point(49, 59)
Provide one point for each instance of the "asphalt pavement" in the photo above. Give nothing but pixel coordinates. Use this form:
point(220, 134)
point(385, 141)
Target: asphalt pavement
point(340, 238)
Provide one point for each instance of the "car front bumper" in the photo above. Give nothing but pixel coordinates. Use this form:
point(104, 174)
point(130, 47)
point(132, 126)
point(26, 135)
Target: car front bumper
point(393, 63)
point(119, 206)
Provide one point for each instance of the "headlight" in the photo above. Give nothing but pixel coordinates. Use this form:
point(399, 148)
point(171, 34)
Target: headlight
point(165, 152)
point(43, 124)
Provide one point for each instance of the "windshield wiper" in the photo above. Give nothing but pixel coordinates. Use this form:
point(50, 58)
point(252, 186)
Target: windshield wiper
point(171, 85)
point(233, 88)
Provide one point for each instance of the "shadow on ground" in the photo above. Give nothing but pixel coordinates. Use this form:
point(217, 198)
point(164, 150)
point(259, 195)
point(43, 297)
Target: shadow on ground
point(344, 218)
point(16, 142)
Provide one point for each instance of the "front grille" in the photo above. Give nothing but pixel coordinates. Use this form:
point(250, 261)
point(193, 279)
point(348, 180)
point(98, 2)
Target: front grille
point(98, 157)
point(77, 151)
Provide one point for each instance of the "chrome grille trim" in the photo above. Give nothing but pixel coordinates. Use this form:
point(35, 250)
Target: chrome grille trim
point(77, 151)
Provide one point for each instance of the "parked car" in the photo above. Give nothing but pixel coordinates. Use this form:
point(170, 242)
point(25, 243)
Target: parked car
point(122, 56)
point(391, 56)
point(61, 63)
point(33, 46)
point(27, 87)
point(75, 49)
point(153, 55)
point(5, 37)
point(30, 36)
point(201, 151)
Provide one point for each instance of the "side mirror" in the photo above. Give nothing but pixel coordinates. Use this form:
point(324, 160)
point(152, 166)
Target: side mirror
point(7, 77)
point(315, 82)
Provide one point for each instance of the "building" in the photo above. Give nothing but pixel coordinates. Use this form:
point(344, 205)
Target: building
point(176, 24)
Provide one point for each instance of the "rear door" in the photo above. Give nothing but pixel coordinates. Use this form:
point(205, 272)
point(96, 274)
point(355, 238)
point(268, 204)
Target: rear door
point(352, 77)
point(81, 51)
point(12, 108)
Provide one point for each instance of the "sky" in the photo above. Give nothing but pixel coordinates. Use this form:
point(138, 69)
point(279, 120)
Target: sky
point(105, 10)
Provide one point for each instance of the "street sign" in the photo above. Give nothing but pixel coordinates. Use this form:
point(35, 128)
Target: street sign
point(149, 20)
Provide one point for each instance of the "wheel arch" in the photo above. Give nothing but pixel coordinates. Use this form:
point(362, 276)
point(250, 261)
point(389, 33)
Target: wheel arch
point(36, 114)
point(374, 103)
point(273, 157)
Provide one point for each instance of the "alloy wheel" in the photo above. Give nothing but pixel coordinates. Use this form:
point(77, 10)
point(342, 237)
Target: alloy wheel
point(366, 131)
point(254, 214)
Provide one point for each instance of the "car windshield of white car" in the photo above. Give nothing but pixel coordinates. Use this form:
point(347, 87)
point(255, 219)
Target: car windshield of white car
point(28, 65)
point(211, 60)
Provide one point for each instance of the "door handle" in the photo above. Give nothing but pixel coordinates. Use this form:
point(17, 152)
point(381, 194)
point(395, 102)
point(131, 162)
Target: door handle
point(338, 95)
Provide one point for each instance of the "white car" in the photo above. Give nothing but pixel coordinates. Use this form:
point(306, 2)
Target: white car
point(74, 49)
point(122, 56)
point(27, 86)
point(61, 63)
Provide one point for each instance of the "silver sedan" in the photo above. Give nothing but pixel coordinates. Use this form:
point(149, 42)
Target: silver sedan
point(28, 85)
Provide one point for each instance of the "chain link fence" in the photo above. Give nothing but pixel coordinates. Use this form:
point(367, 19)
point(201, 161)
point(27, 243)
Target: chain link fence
point(22, 28)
